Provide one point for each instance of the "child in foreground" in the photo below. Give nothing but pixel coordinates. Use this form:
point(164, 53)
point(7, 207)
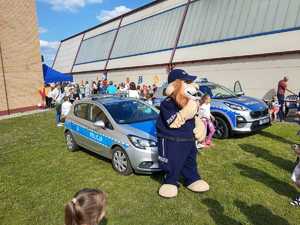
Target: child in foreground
point(207, 118)
point(296, 175)
point(86, 208)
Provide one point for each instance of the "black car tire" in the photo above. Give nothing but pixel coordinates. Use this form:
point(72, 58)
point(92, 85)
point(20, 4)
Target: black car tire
point(120, 162)
point(222, 128)
point(70, 141)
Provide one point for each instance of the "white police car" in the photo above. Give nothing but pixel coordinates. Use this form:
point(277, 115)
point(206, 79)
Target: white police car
point(118, 128)
point(234, 112)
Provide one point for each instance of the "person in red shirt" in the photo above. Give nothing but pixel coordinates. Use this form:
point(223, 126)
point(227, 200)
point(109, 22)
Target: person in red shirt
point(282, 88)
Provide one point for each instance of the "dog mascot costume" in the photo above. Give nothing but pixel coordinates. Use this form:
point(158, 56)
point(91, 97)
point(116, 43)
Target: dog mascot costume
point(176, 132)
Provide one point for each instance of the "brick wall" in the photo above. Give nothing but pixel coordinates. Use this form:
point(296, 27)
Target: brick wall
point(21, 55)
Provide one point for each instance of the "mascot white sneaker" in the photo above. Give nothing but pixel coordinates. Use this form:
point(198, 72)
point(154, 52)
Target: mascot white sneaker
point(177, 127)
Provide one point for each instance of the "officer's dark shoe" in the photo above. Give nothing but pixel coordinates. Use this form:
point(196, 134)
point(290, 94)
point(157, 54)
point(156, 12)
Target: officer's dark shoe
point(199, 186)
point(168, 191)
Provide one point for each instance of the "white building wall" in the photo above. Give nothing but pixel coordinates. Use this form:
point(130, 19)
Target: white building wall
point(89, 66)
point(257, 75)
point(154, 75)
point(141, 60)
point(66, 54)
point(150, 75)
point(91, 76)
point(280, 42)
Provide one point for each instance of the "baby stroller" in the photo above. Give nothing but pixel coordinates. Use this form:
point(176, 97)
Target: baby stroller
point(291, 104)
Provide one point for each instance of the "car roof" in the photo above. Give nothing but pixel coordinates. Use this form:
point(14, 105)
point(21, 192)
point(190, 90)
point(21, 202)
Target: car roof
point(106, 99)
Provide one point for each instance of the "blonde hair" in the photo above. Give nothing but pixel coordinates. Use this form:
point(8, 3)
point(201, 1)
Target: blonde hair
point(87, 207)
point(178, 94)
point(204, 98)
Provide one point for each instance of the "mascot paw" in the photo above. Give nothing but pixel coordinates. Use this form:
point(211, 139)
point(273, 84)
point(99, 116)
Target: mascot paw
point(168, 191)
point(199, 186)
point(200, 130)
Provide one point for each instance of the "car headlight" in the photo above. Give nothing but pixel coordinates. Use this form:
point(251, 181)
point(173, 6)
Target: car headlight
point(235, 107)
point(141, 142)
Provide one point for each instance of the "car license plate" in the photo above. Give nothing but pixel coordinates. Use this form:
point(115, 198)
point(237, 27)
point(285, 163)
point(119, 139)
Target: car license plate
point(264, 121)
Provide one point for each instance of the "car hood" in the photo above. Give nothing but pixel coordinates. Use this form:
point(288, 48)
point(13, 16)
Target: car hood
point(144, 129)
point(248, 102)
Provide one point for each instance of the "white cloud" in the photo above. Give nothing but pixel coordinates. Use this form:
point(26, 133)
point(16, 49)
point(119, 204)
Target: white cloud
point(48, 50)
point(70, 5)
point(43, 30)
point(109, 14)
point(49, 44)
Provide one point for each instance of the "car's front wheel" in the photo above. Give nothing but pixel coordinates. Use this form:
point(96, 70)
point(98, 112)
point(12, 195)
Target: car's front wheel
point(121, 162)
point(222, 128)
point(71, 143)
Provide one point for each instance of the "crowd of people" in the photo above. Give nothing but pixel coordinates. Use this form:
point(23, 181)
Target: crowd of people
point(61, 95)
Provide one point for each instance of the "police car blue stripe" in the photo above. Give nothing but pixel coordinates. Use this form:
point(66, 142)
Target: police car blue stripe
point(94, 136)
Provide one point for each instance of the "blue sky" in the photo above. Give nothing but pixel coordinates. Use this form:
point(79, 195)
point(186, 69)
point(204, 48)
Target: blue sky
point(59, 19)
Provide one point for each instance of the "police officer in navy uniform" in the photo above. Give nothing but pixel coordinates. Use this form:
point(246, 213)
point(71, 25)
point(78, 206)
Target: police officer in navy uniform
point(176, 146)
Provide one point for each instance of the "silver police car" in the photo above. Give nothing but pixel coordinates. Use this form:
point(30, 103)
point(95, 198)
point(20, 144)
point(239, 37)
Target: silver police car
point(118, 128)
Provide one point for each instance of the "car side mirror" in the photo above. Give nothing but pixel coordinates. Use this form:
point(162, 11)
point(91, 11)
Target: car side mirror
point(100, 124)
point(239, 93)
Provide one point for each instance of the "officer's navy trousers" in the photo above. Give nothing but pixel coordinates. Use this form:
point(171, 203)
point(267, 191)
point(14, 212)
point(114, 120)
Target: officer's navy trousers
point(178, 159)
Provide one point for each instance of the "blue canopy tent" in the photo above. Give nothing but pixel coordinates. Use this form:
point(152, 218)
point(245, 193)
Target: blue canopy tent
point(53, 76)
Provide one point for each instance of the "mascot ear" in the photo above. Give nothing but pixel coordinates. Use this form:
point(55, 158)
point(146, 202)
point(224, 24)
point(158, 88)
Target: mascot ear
point(170, 89)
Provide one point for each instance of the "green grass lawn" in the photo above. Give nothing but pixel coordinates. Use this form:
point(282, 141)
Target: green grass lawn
point(249, 178)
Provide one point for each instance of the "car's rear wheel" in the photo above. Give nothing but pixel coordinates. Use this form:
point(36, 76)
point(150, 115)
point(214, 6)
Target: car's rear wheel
point(70, 141)
point(121, 162)
point(222, 128)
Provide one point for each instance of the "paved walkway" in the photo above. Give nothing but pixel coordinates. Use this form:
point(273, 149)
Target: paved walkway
point(23, 114)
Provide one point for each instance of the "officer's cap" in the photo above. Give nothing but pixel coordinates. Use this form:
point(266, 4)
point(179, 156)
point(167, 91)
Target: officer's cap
point(180, 75)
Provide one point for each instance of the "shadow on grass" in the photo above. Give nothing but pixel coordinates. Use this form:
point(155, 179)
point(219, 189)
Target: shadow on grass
point(260, 215)
point(266, 155)
point(280, 187)
point(95, 155)
point(104, 221)
point(216, 212)
point(157, 177)
point(275, 137)
point(242, 135)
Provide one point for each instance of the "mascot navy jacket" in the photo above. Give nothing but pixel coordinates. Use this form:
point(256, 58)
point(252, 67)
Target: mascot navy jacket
point(168, 111)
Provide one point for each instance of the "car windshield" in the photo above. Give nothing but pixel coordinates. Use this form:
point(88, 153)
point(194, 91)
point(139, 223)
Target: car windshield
point(216, 91)
point(124, 112)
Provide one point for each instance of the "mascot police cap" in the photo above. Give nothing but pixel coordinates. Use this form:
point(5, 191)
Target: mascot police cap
point(181, 75)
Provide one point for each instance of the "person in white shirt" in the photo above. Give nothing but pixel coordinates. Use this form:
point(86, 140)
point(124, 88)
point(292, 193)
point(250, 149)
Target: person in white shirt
point(87, 89)
point(65, 108)
point(127, 84)
point(58, 103)
point(206, 116)
point(55, 93)
point(133, 92)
